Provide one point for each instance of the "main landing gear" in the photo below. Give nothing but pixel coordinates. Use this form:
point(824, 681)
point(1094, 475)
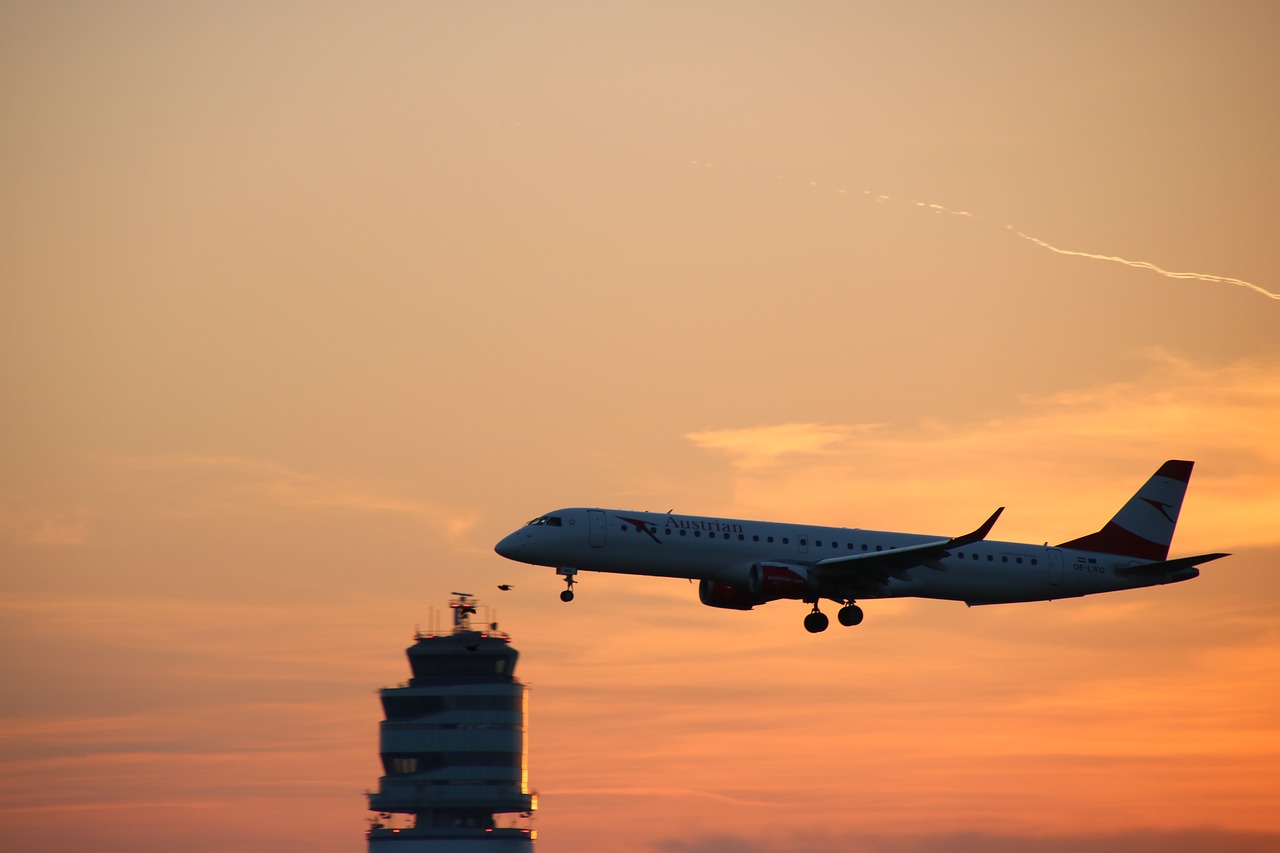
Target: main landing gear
point(567, 595)
point(816, 621)
point(850, 615)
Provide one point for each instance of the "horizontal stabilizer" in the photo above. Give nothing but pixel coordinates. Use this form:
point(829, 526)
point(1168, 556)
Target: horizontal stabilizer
point(1165, 567)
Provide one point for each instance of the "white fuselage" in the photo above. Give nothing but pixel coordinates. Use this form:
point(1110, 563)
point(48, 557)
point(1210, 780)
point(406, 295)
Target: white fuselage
point(723, 551)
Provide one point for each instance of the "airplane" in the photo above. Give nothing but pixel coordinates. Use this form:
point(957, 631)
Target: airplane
point(741, 564)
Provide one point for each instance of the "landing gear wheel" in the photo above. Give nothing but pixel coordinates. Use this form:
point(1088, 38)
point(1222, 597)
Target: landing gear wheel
point(850, 615)
point(816, 622)
point(567, 595)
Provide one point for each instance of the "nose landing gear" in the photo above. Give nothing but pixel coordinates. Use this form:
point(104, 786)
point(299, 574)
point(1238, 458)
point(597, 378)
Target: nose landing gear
point(567, 595)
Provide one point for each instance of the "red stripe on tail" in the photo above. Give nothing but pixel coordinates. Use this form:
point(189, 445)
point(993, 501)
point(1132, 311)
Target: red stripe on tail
point(1114, 539)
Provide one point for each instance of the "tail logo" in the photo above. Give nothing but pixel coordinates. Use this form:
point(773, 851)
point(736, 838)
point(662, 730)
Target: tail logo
point(1163, 508)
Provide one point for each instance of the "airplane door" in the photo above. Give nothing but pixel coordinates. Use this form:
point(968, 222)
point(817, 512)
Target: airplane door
point(1055, 566)
point(595, 528)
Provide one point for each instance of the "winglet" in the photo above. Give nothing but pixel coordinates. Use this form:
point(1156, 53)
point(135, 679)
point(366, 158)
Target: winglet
point(979, 534)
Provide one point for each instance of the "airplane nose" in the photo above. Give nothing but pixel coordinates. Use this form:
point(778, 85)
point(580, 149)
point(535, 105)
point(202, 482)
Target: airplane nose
point(509, 546)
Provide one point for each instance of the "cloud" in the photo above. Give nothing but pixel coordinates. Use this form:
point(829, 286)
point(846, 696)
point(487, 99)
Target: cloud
point(759, 447)
point(1196, 840)
point(233, 480)
point(1076, 453)
point(35, 527)
point(653, 792)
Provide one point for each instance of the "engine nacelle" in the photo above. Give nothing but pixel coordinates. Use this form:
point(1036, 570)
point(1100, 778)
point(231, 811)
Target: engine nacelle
point(781, 580)
point(715, 594)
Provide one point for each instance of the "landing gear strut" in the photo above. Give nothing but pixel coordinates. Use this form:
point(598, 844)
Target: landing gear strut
point(567, 595)
point(816, 622)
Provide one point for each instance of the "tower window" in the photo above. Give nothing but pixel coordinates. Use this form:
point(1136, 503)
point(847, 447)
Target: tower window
point(403, 765)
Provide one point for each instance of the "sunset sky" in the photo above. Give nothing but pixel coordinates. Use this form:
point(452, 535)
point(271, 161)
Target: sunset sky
point(305, 305)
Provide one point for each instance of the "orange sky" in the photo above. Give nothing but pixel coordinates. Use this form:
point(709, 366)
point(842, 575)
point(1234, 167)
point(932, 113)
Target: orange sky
point(306, 305)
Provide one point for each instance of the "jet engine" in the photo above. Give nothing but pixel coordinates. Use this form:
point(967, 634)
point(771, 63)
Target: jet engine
point(780, 580)
point(715, 594)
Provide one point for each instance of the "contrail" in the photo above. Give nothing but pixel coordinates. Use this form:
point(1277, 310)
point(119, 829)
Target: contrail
point(932, 207)
point(937, 208)
point(1220, 279)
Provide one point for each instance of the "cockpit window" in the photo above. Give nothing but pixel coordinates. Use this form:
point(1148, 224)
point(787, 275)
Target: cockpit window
point(548, 520)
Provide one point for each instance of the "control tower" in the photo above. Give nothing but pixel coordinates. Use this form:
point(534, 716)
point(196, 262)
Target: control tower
point(454, 747)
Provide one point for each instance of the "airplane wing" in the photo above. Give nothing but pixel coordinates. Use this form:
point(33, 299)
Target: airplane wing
point(1167, 566)
point(895, 563)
